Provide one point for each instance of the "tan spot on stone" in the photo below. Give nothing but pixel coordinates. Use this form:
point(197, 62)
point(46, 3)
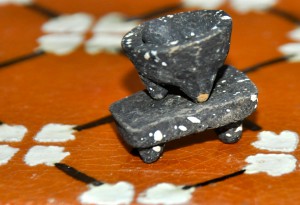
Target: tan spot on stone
point(202, 97)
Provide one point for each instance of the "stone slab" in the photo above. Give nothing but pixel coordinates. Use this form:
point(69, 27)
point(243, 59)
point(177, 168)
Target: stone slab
point(144, 122)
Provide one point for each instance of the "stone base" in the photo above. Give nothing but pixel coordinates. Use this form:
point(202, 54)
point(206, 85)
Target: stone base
point(146, 123)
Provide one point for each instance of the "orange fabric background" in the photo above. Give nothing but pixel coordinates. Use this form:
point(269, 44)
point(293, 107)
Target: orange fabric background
point(79, 88)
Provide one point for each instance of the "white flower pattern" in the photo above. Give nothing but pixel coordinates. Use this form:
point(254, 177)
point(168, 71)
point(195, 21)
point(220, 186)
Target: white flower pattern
point(6, 153)
point(273, 164)
point(119, 193)
point(108, 33)
point(66, 33)
point(241, 6)
point(291, 49)
point(16, 2)
point(47, 155)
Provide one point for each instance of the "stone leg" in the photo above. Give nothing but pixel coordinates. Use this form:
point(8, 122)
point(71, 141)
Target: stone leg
point(198, 89)
point(150, 155)
point(156, 91)
point(230, 133)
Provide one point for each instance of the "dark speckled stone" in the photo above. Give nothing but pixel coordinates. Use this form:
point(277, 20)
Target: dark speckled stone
point(145, 123)
point(184, 50)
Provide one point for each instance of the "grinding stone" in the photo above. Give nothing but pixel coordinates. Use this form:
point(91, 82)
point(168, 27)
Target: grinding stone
point(184, 50)
point(144, 122)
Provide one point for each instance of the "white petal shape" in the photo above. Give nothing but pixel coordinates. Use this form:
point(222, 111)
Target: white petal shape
point(114, 23)
point(291, 49)
point(272, 164)
point(244, 6)
point(12, 133)
point(60, 44)
point(119, 193)
point(165, 193)
point(55, 133)
point(286, 141)
point(110, 43)
point(295, 34)
point(73, 23)
point(6, 153)
point(17, 2)
point(47, 155)
point(203, 4)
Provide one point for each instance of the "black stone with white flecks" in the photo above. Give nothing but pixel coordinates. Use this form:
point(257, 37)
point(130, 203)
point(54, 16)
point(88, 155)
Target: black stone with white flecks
point(145, 123)
point(230, 133)
point(185, 50)
point(150, 155)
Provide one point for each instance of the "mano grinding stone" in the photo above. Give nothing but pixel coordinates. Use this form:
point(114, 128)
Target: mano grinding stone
point(184, 50)
point(147, 124)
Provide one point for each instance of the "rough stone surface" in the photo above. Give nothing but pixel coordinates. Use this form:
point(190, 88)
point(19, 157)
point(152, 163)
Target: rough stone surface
point(183, 50)
point(152, 154)
point(145, 123)
point(230, 133)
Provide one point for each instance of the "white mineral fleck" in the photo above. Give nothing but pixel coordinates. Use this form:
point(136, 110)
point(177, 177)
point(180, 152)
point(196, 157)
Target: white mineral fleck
point(193, 119)
point(182, 128)
point(158, 136)
point(239, 129)
point(253, 98)
point(147, 56)
point(157, 148)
